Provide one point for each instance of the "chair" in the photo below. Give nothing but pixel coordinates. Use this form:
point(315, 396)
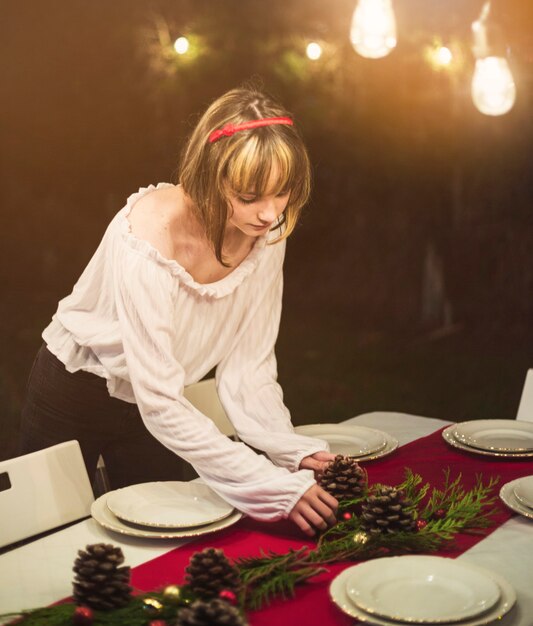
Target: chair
point(525, 409)
point(203, 396)
point(43, 490)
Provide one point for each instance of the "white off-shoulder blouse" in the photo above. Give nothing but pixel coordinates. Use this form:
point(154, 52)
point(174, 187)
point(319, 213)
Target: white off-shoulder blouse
point(144, 324)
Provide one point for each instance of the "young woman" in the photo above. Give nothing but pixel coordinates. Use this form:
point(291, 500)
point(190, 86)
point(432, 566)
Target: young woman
point(188, 277)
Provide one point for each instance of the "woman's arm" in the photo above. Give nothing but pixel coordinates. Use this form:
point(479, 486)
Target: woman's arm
point(247, 377)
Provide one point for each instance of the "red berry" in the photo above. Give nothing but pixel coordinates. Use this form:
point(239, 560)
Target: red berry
point(347, 516)
point(439, 514)
point(228, 595)
point(421, 523)
point(83, 616)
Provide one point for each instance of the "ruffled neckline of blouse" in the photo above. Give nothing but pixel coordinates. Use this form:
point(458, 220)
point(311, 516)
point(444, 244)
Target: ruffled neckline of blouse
point(218, 289)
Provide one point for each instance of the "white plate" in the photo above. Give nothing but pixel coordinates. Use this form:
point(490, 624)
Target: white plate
point(508, 496)
point(339, 595)
point(448, 435)
point(496, 435)
point(421, 589)
point(101, 514)
point(358, 442)
point(168, 504)
point(524, 491)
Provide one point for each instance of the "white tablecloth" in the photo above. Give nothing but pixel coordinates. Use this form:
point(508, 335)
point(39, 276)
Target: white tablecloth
point(40, 573)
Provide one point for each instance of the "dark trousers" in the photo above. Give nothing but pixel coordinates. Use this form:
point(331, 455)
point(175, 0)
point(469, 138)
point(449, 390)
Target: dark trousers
point(61, 406)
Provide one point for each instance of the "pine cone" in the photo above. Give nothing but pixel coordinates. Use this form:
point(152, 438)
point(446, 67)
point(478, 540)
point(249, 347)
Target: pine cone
point(209, 571)
point(99, 582)
point(344, 478)
point(388, 511)
point(212, 613)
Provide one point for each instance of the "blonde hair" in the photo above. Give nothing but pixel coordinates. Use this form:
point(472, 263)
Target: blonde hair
point(243, 163)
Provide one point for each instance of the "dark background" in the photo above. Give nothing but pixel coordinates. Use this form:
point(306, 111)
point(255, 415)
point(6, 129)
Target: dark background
point(409, 282)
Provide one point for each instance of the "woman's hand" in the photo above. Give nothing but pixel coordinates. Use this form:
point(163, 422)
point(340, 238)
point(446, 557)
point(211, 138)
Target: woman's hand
point(314, 510)
point(317, 462)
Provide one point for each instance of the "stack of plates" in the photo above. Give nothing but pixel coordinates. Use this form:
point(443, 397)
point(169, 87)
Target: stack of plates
point(518, 496)
point(507, 438)
point(359, 442)
point(164, 510)
point(422, 590)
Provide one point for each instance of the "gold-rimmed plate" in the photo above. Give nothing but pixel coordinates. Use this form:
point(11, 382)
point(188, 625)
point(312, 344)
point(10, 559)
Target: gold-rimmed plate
point(508, 496)
point(358, 442)
point(496, 435)
point(420, 589)
point(103, 516)
point(523, 491)
point(339, 596)
point(168, 504)
point(448, 435)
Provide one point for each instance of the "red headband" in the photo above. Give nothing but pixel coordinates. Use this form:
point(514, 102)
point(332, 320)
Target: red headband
point(231, 129)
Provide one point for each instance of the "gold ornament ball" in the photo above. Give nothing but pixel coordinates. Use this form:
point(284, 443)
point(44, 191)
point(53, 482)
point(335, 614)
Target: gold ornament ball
point(360, 537)
point(152, 606)
point(172, 594)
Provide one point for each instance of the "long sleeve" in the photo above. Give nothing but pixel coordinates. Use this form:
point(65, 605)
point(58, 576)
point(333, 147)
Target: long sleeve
point(247, 378)
point(145, 296)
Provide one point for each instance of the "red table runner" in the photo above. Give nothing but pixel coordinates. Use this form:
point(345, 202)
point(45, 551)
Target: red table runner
point(428, 457)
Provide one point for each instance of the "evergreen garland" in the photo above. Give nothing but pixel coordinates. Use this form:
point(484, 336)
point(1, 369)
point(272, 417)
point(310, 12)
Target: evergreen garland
point(441, 515)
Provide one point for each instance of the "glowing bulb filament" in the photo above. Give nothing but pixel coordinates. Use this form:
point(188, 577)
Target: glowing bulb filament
point(373, 31)
point(493, 87)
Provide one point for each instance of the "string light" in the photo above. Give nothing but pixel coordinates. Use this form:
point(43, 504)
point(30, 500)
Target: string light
point(373, 35)
point(443, 56)
point(493, 86)
point(181, 45)
point(314, 51)
point(373, 30)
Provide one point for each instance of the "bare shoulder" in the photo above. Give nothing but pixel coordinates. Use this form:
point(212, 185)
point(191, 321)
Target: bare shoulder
point(152, 216)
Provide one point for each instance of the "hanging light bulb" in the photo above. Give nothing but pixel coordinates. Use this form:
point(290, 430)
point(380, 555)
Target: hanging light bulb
point(313, 51)
point(493, 87)
point(181, 45)
point(443, 56)
point(373, 31)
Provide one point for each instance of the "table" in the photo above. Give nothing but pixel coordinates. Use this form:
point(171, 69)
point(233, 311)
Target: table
point(39, 573)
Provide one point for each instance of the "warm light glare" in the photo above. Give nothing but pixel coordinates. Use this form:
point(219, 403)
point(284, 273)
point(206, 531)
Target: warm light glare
point(181, 45)
point(373, 31)
point(443, 55)
point(493, 87)
point(314, 51)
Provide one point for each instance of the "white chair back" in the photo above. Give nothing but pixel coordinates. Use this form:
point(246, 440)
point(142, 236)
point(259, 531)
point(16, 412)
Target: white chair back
point(525, 409)
point(43, 490)
point(203, 396)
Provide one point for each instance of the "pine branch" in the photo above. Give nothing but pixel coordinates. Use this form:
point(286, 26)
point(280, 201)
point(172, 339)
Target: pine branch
point(274, 575)
point(464, 510)
point(350, 504)
point(412, 489)
point(280, 584)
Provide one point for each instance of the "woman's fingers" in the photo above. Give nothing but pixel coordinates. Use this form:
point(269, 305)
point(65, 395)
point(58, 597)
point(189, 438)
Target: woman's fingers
point(308, 519)
point(328, 499)
point(315, 509)
point(317, 462)
point(309, 463)
point(324, 456)
point(301, 522)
